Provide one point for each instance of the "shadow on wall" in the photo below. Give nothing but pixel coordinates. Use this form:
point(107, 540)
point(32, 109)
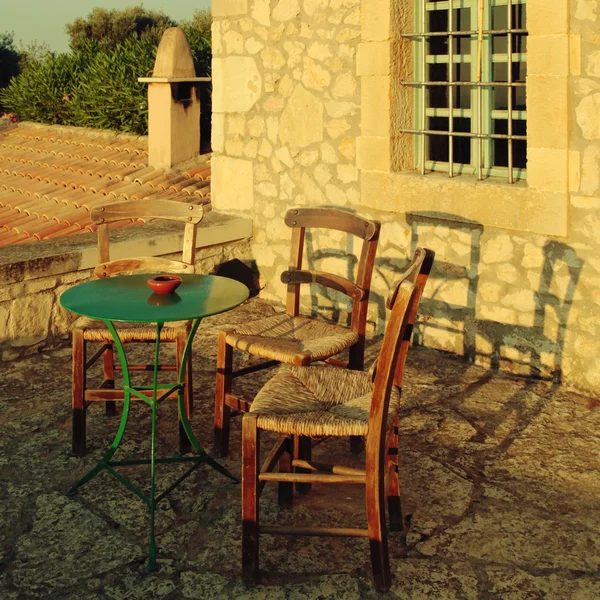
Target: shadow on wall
point(451, 313)
point(334, 306)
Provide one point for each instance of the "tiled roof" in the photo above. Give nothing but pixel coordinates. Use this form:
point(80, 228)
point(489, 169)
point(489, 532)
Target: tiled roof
point(52, 176)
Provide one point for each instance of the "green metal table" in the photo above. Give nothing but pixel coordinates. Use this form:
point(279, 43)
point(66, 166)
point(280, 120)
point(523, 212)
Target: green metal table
point(127, 298)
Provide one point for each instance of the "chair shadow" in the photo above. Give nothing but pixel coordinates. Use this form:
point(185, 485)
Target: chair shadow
point(542, 343)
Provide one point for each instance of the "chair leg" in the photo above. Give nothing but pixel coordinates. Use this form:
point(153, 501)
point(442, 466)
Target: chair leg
point(224, 381)
point(285, 489)
point(185, 445)
point(302, 451)
point(250, 522)
point(108, 367)
point(78, 393)
point(393, 482)
point(378, 542)
point(356, 360)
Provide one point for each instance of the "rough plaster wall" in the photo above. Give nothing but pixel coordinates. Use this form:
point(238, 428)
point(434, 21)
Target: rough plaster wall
point(516, 301)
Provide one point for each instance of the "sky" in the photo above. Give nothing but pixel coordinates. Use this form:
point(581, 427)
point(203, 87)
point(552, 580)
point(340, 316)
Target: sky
point(45, 20)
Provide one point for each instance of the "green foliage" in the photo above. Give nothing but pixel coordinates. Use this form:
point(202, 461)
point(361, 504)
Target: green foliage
point(107, 93)
point(201, 21)
point(9, 59)
point(108, 28)
point(37, 93)
point(96, 84)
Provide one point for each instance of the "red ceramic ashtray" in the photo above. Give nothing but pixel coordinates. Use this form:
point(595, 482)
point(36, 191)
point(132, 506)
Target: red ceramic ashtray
point(164, 284)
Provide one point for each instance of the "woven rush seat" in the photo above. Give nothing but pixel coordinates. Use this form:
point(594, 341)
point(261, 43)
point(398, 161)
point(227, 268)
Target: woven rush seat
point(318, 401)
point(292, 339)
point(96, 331)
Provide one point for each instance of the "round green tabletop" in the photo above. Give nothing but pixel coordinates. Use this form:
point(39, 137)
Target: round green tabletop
point(128, 298)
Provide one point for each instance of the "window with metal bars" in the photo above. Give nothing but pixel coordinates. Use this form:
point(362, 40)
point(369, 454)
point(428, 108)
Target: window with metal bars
point(470, 68)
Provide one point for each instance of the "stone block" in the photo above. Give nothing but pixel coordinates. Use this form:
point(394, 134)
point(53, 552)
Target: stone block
point(301, 123)
point(261, 12)
point(590, 170)
point(373, 58)
point(574, 170)
point(375, 106)
point(373, 153)
point(286, 10)
point(348, 148)
point(227, 8)
point(588, 112)
point(548, 55)
point(547, 17)
point(30, 319)
point(547, 169)
point(232, 184)
point(218, 132)
point(344, 86)
point(575, 55)
point(499, 249)
point(375, 21)
point(237, 84)
point(541, 112)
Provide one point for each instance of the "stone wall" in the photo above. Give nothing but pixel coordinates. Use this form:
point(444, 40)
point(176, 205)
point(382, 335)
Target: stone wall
point(302, 116)
point(31, 317)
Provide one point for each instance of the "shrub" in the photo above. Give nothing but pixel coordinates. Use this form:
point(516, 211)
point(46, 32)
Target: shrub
point(108, 95)
point(96, 84)
point(42, 92)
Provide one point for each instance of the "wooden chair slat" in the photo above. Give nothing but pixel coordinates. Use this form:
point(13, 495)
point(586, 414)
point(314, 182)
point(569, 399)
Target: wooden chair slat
point(335, 282)
point(151, 264)
point(331, 218)
point(148, 209)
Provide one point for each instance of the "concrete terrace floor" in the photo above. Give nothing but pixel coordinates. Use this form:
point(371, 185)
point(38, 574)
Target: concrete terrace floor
point(501, 477)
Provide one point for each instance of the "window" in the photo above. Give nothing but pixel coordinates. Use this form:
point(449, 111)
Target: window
point(470, 67)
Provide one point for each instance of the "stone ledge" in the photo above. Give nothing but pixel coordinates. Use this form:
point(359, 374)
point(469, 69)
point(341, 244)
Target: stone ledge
point(24, 262)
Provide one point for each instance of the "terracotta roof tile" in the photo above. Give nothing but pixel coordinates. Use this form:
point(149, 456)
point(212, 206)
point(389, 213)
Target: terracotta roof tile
point(52, 176)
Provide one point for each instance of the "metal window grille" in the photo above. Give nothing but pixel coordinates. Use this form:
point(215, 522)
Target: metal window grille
point(470, 69)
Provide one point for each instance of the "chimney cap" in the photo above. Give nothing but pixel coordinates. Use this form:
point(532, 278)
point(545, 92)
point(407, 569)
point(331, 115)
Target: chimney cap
point(174, 57)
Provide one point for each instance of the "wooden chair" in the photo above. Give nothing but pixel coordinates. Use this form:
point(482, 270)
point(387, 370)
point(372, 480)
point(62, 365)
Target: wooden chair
point(95, 331)
point(290, 337)
point(325, 401)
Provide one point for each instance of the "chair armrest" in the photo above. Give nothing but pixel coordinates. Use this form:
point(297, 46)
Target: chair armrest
point(335, 282)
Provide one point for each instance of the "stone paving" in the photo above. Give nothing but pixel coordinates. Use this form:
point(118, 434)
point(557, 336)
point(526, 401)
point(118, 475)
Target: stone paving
point(501, 487)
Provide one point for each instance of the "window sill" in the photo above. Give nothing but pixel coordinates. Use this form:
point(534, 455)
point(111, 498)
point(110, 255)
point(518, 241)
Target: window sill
point(491, 202)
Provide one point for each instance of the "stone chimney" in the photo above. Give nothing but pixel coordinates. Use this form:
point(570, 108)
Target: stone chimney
point(173, 103)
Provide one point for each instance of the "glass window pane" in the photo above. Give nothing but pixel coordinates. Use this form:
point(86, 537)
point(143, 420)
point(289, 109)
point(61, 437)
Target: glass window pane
point(519, 147)
point(438, 94)
point(500, 92)
point(519, 74)
point(462, 22)
point(438, 144)
point(438, 21)
point(462, 93)
point(461, 146)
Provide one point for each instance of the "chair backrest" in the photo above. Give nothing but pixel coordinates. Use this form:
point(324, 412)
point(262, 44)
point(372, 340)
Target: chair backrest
point(404, 304)
point(300, 219)
point(190, 214)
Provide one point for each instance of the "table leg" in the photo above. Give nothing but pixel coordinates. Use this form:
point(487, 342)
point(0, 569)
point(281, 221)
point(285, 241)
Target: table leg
point(182, 413)
point(103, 464)
point(106, 463)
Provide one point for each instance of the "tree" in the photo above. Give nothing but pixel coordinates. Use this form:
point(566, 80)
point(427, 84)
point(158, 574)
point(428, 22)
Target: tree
point(201, 22)
point(111, 27)
point(9, 59)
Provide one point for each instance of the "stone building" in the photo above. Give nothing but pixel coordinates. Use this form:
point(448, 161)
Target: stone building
point(332, 102)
